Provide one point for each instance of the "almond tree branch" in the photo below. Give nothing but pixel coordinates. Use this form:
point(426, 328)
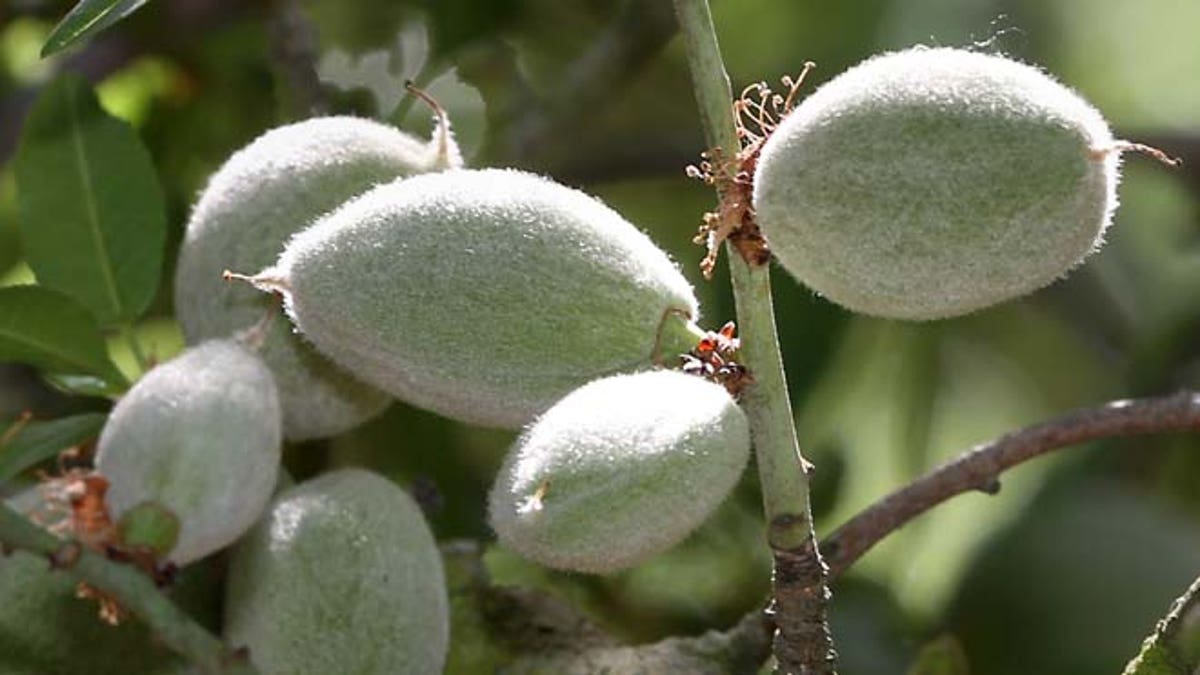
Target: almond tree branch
point(802, 642)
point(294, 54)
point(980, 467)
point(524, 631)
point(523, 122)
point(134, 590)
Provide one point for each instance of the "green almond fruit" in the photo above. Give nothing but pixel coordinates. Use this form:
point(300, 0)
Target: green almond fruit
point(266, 192)
point(199, 436)
point(620, 470)
point(930, 183)
point(484, 296)
point(342, 575)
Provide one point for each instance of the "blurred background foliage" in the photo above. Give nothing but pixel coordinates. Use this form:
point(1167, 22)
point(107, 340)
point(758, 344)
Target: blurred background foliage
point(1065, 571)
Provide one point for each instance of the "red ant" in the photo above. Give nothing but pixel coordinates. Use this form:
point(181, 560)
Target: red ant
point(714, 359)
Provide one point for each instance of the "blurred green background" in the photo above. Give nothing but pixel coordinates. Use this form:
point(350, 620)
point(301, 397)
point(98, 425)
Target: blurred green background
point(1065, 571)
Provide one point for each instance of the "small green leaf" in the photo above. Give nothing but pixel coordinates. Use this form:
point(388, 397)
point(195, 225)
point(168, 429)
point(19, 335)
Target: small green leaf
point(1174, 648)
point(39, 441)
point(941, 656)
point(92, 215)
point(87, 18)
point(47, 329)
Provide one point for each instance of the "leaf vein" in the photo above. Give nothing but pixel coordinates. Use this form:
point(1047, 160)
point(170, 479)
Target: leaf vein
point(89, 198)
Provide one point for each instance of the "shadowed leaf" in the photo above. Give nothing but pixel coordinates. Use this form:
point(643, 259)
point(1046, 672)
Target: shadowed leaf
point(49, 330)
point(39, 441)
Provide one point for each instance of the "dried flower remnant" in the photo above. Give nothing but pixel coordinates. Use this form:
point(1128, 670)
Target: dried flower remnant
point(756, 112)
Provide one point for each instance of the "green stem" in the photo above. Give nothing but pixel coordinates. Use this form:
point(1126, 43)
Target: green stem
point(134, 590)
point(802, 641)
point(135, 347)
point(780, 465)
point(676, 335)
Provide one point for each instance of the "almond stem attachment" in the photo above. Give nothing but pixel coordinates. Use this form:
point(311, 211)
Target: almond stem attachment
point(441, 135)
point(1141, 148)
point(268, 283)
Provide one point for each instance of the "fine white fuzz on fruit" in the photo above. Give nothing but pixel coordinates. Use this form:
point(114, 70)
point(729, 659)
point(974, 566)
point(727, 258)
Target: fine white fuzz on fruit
point(484, 296)
point(342, 575)
point(266, 192)
point(619, 470)
point(200, 436)
point(930, 183)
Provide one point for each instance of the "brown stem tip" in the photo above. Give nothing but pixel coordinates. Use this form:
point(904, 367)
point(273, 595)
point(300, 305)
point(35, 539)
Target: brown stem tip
point(1141, 148)
point(441, 135)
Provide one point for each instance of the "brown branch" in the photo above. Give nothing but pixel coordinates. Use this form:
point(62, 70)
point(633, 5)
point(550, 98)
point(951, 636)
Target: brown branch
point(525, 631)
point(740, 650)
point(522, 123)
point(980, 467)
point(802, 641)
point(1184, 145)
point(293, 44)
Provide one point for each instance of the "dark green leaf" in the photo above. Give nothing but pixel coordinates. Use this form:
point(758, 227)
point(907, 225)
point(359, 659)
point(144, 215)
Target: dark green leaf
point(92, 215)
point(1174, 649)
point(39, 441)
point(87, 18)
point(942, 656)
point(47, 329)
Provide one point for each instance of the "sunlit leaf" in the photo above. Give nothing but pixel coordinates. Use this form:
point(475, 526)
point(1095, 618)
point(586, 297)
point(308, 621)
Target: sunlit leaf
point(93, 221)
point(36, 442)
point(88, 18)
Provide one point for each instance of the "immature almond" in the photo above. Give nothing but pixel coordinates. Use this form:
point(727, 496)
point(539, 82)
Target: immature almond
point(619, 470)
point(483, 295)
point(342, 575)
point(929, 183)
point(266, 192)
point(200, 437)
